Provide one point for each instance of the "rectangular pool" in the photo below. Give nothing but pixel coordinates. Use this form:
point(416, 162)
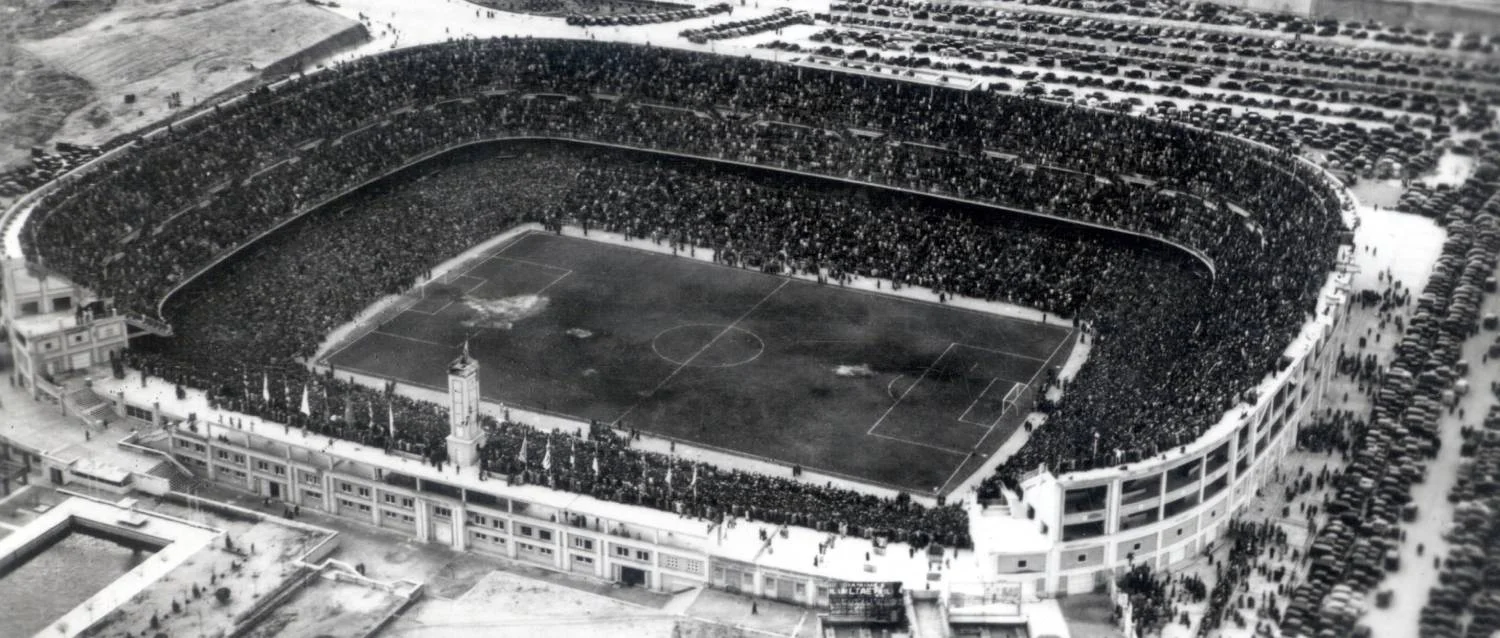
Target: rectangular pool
point(61, 573)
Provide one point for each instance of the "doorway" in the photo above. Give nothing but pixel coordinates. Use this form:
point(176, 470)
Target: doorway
point(632, 577)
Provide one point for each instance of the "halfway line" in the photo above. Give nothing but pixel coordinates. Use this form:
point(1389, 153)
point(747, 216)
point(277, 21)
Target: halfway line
point(688, 361)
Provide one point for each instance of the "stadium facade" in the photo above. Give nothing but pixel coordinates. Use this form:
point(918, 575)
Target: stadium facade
point(1068, 533)
point(1061, 534)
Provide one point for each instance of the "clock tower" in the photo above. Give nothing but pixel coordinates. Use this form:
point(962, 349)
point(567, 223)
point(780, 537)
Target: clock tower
point(464, 432)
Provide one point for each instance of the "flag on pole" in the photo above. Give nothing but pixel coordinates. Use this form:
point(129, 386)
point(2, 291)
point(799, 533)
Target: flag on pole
point(694, 483)
point(390, 420)
point(547, 458)
point(596, 464)
point(573, 457)
point(265, 387)
point(522, 456)
point(306, 408)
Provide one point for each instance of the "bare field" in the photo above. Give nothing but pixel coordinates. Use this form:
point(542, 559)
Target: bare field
point(39, 99)
point(76, 62)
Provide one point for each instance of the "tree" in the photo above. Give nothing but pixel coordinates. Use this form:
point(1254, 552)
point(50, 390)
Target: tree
point(222, 595)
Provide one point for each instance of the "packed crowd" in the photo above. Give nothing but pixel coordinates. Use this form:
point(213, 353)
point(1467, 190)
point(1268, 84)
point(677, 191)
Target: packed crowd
point(603, 465)
point(1162, 368)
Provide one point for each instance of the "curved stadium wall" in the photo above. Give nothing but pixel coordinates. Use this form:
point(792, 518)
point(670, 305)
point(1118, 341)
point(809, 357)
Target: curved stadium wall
point(1078, 529)
point(1083, 525)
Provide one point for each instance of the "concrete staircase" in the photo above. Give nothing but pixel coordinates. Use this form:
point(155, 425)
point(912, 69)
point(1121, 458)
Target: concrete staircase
point(92, 408)
point(177, 479)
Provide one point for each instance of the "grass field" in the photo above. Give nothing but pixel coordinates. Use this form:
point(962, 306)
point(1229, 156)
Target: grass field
point(877, 388)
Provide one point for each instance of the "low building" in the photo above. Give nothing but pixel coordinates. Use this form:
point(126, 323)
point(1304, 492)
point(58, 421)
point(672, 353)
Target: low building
point(54, 327)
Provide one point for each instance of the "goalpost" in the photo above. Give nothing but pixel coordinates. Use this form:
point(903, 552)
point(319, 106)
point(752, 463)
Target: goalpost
point(1012, 396)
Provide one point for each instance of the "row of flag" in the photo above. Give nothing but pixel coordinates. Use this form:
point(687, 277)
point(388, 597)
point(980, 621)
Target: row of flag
point(305, 407)
point(573, 462)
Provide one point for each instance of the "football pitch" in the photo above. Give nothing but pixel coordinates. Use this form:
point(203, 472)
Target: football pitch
point(876, 388)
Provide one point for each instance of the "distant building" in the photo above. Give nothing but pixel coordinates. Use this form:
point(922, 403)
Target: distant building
point(54, 327)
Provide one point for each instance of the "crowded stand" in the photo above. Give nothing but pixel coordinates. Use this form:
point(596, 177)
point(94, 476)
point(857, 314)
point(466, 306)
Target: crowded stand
point(331, 264)
point(602, 464)
point(1161, 371)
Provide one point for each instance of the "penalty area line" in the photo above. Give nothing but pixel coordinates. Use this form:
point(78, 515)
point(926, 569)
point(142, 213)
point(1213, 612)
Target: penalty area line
point(929, 446)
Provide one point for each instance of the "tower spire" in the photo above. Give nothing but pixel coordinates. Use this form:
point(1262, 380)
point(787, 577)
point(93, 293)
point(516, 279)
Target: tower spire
point(464, 433)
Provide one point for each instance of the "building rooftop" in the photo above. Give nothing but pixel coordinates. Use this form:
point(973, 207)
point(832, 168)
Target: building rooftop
point(33, 326)
point(195, 402)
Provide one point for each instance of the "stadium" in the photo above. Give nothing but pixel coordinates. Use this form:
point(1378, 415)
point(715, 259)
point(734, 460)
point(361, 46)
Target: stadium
point(649, 315)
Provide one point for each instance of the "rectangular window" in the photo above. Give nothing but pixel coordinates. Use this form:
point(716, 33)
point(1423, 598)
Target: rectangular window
point(544, 534)
point(390, 498)
point(1180, 505)
point(586, 544)
point(527, 531)
point(363, 491)
point(1141, 489)
point(1183, 475)
point(1217, 459)
point(621, 550)
point(346, 487)
point(1076, 531)
point(1216, 486)
point(1139, 519)
point(1087, 499)
point(642, 555)
point(442, 512)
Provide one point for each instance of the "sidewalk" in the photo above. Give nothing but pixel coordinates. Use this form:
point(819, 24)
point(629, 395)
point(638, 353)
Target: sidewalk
point(39, 424)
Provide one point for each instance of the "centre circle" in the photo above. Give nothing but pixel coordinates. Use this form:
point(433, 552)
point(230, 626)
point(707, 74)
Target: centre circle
point(708, 345)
